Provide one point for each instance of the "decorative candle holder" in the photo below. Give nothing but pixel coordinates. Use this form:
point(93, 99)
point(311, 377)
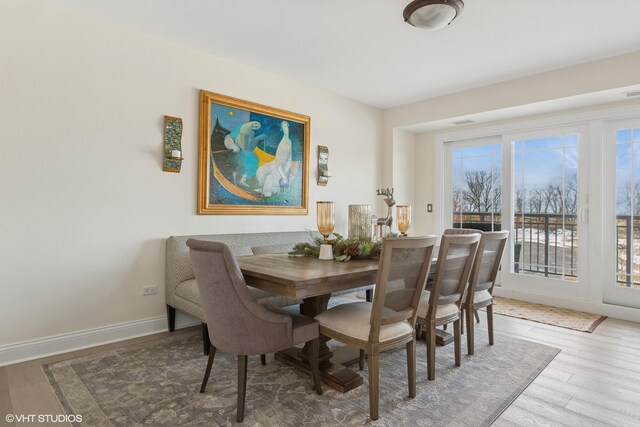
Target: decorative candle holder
point(360, 222)
point(326, 223)
point(403, 217)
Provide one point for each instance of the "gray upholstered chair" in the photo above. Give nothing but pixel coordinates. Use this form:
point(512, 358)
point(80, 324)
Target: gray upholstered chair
point(441, 304)
point(388, 322)
point(483, 278)
point(238, 323)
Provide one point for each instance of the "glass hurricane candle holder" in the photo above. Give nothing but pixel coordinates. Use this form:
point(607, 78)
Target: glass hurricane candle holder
point(403, 217)
point(360, 222)
point(326, 219)
point(326, 223)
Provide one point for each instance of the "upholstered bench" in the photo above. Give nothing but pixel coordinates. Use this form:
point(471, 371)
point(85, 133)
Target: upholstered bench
point(181, 290)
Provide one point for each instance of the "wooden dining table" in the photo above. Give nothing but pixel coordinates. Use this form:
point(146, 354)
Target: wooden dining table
point(312, 281)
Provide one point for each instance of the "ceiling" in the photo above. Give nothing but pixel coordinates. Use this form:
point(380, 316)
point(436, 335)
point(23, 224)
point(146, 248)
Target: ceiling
point(362, 49)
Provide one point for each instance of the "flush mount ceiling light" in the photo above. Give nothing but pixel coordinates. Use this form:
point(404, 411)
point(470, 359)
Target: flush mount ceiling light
point(432, 14)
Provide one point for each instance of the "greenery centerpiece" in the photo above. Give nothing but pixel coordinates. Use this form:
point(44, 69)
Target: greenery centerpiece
point(343, 249)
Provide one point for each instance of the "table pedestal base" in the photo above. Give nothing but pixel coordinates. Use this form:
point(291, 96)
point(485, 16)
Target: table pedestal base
point(443, 337)
point(332, 372)
point(334, 375)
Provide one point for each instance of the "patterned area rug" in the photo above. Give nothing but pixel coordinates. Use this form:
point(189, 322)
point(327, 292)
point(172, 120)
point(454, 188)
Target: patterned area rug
point(158, 383)
point(562, 317)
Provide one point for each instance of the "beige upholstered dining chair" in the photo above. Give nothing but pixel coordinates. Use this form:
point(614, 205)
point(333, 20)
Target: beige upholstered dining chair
point(441, 304)
point(456, 231)
point(240, 325)
point(483, 278)
point(388, 322)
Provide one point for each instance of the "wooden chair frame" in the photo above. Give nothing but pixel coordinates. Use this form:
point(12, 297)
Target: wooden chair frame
point(430, 322)
point(373, 346)
point(469, 307)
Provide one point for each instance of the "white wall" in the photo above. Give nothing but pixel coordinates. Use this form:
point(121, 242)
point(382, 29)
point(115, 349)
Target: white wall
point(403, 167)
point(86, 207)
point(424, 158)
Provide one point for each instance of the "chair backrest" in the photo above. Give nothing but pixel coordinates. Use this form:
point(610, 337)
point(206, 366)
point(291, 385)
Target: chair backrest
point(453, 269)
point(402, 275)
point(237, 323)
point(455, 231)
point(488, 260)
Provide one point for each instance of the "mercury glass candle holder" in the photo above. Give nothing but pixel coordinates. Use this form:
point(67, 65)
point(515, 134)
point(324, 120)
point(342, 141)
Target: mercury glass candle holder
point(360, 222)
point(326, 219)
point(403, 218)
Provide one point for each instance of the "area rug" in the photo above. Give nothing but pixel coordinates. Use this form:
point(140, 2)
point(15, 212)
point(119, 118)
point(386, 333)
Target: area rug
point(562, 317)
point(157, 384)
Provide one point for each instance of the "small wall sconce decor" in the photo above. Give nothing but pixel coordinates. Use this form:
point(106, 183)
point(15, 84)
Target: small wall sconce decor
point(323, 165)
point(172, 144)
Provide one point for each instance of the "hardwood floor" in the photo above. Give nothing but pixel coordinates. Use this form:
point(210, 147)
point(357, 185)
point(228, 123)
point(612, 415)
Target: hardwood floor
point(594, 381)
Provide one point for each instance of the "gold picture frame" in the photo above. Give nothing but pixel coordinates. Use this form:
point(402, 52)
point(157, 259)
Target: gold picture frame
point(253, 159)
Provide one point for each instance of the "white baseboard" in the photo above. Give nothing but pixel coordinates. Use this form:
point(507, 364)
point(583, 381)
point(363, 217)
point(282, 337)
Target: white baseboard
point(614, 311)
point(35, 349)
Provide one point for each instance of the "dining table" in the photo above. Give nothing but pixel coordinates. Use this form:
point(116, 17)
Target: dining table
point(313, 281)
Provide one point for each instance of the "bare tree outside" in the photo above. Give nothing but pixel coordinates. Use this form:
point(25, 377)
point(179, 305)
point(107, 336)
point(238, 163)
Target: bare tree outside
point(630, 203)
point(483, 192)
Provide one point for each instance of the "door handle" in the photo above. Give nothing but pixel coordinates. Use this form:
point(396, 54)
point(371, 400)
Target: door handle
point(584, 215)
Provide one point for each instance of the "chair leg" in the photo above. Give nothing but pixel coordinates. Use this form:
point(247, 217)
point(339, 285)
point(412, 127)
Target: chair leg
point(374, 382)
point(263, 359)
point(361, 360)
point(456, 338)
point(461, 314)
point(368, 295)
point(490, 323)
point(171, 318)
point(431, 352)
point(475, 313)
point(314, 364)
point(206, 343)
point(470, 332)
point(411, 367)
point(418, 330)
point(212, 355)
point(242, 386)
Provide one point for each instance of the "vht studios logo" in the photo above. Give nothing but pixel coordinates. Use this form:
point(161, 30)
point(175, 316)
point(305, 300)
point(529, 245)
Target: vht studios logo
point(43, 418)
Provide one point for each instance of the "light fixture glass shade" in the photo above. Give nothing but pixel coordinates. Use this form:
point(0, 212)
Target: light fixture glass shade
point(403, 217)
point(326, 218)
point(432, 14)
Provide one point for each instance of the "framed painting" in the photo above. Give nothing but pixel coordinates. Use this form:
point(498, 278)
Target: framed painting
point(253, 159)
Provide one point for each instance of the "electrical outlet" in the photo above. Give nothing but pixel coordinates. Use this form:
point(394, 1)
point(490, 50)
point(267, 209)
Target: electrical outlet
point(429, 208)
point(149, 290)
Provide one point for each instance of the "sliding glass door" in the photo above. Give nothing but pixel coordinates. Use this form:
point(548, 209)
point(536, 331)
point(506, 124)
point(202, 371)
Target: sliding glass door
point(621, 251)
point(547, 211)
point(535, 185)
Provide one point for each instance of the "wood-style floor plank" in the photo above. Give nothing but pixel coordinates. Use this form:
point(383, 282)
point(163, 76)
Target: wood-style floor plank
point(5, 399)
point(557, 415)
point(38, 399)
